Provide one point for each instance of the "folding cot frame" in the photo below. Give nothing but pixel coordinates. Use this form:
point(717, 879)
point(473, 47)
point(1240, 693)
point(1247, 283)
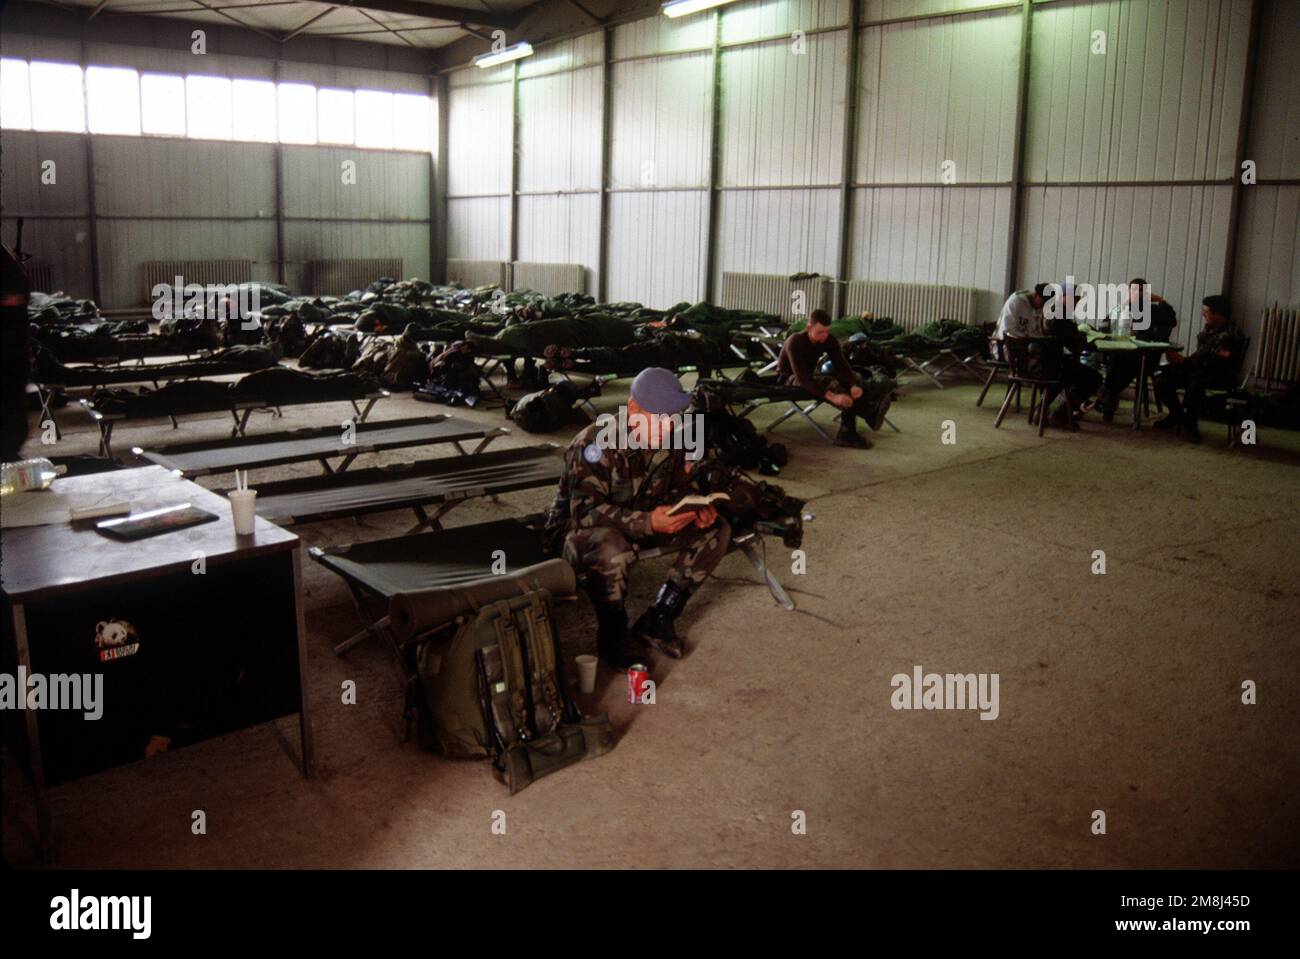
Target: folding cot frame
point(442, 484)
point(240, 411)
point(46, 391)
point(367, 596)
point(320, 443)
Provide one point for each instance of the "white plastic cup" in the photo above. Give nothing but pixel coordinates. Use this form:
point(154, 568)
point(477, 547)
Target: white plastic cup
point(243, 510)
point(586, 672)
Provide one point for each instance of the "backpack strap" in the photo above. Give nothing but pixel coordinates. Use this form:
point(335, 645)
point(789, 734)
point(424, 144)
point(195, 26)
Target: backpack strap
point(512, 665)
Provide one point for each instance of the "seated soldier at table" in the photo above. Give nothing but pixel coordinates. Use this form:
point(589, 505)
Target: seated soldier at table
point(1213, 364)
point(1127, 318)
point(797, 365)
point(1078, 381)
point(612, 500)
point(1022, 313)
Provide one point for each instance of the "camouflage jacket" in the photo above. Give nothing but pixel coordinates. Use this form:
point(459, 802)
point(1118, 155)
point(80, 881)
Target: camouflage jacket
point(1210, 341)
point(617, 488)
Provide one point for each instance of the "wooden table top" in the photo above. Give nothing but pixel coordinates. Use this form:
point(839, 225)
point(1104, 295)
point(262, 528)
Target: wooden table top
point(43, 561)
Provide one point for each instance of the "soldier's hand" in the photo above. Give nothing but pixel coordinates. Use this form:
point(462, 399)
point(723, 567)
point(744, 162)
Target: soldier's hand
point(856, 392)
point(706, 517)
point(661, 522)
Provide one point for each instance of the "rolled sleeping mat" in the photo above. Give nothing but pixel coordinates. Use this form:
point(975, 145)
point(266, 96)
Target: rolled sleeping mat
point(416, 612)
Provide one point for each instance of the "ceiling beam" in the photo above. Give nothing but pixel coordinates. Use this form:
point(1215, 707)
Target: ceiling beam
point(439, 11)
point(98, 7)
point(297, 30)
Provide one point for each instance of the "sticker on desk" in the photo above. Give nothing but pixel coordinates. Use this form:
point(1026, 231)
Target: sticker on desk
point(116, 639)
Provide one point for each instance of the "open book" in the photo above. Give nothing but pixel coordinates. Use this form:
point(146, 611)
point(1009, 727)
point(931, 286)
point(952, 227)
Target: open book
point(695, 503)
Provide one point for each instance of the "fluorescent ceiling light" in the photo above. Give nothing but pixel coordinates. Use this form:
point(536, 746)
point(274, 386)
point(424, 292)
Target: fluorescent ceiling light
point(517, 52)
point(684, 8)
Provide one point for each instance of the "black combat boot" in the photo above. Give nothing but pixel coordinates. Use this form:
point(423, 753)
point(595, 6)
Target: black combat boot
point(655, 627)
point(615, 645)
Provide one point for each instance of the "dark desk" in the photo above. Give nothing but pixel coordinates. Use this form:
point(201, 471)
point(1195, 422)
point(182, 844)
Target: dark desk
point(213, 626)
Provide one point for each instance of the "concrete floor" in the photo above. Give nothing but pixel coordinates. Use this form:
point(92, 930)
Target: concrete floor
point(1118, 692)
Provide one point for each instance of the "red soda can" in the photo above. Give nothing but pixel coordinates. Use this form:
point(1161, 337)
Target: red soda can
point(637, 674)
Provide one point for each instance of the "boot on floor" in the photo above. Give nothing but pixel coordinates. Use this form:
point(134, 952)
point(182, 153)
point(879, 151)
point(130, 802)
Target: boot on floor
point(655, 626)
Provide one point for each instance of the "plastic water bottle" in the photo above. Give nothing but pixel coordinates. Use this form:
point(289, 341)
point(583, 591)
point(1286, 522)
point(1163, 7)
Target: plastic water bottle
point(1123, 325)
point(28, 475)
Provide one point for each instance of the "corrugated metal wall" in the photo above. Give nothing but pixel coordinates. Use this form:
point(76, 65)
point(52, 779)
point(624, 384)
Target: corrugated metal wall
point(781, 126)
point(935, 148)
point(1268, 253)
point(560, 102)
point(1120, 146)
point(659, 160)
point(170, 199)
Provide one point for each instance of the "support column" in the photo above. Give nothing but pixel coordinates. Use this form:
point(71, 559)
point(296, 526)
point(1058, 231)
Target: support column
point(1018, 148)
point(711, 230)
point(850, 158)
point(514, 173)
point(438, 185)
point(278, 151)
point(606, 114)
point(92, 217)
point(1243, 144)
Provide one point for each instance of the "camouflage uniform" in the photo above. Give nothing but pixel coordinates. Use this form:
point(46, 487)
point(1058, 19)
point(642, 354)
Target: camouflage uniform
point(1205, 369)
point(600, 518)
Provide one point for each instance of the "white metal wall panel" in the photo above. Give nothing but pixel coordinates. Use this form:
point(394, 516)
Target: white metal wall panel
point(561, 229)
point(63, 245)
point(778, 231)
point(1162, 103)
point(782, 113)
point(304, 242)
point(479, 131)
point(662, 35)
point(1174, 237)
point(559, 131)
point(935, 91)
point(180, 60)
point(29, 47)
point(22, 152)
point(939, 235)
point(873, 10)
point(149, 176)
point(1268, 256)
point(125, 245)
point(1275, 119)
point(656, 247)
point(661, 122)
point(392, 185)
point(583, 51)
point(762, 19)
point(353, 78)
point(478, 229)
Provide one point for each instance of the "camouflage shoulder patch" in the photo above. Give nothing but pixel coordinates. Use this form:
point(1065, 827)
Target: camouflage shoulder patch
point(592, 453)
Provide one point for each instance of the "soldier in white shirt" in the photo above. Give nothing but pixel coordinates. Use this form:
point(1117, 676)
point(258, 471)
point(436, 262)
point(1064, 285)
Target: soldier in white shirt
point(1022, 314)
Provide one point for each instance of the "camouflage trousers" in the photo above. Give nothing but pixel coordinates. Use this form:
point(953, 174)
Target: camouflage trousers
point(602, 557)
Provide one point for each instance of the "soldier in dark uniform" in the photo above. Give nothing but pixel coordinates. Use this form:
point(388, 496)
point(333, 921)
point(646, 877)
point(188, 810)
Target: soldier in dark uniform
point(1213, 364)
point(1121, 369)
point(613, 500)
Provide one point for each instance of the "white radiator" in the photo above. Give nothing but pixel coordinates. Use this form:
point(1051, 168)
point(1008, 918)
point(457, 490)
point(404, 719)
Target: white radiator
point(339, 277)
point(771, 293)
point(550, 279)
point(40, 277)
point(1277, 355)
point(472, 273)
point(203, 272)
point(911, 305)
